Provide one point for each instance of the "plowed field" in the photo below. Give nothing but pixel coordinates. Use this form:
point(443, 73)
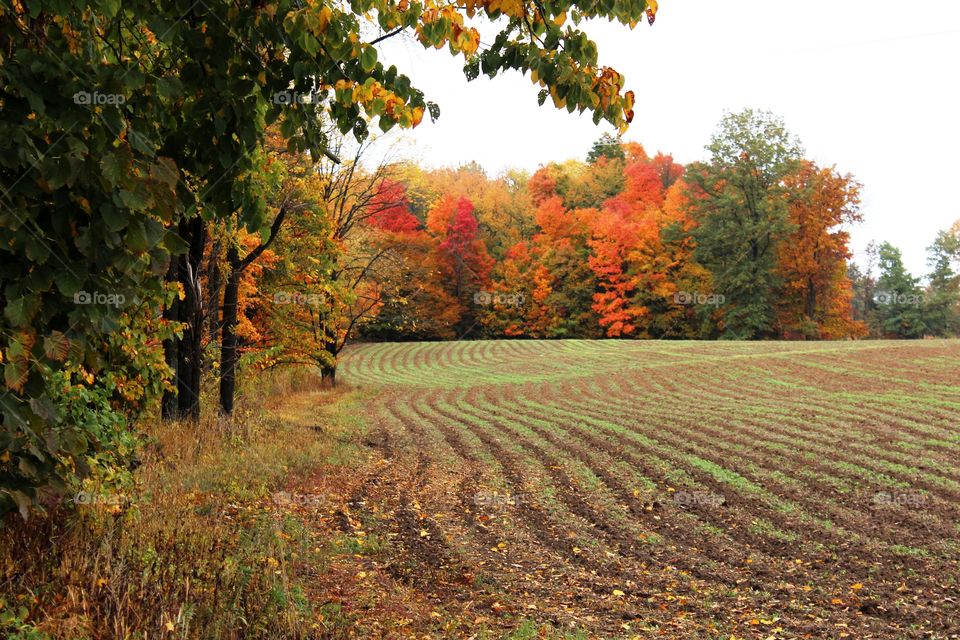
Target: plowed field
point(669, 489)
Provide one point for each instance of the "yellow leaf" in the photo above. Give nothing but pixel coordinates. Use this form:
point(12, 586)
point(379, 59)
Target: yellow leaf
point(323, 20)
point(857, 586)
point(169, 626)
point(513, 8)
point(618, 593)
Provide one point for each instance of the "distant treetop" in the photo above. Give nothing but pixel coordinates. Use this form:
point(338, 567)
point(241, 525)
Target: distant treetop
point(607, 146)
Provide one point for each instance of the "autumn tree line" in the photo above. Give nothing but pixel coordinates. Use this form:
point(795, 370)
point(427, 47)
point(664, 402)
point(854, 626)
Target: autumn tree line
point(750, 244)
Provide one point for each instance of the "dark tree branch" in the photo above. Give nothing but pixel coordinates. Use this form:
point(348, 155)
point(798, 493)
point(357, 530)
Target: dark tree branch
point(385, 36)
point(274, 231)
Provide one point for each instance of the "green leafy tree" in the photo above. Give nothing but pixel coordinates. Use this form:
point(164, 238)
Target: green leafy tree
point(899, 298)
point(737, 199)
point(85, 204)
point(607, 146)
point(942, 308)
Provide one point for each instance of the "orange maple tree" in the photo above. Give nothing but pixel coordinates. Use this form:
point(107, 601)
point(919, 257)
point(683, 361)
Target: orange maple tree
point(815, 300)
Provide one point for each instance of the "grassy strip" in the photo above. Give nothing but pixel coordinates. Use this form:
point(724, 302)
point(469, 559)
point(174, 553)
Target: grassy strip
point(205, 545)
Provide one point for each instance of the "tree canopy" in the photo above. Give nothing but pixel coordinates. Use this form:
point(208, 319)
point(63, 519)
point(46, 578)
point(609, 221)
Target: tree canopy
point(135, 131)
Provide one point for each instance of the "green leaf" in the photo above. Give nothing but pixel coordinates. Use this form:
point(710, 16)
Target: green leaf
point(114, 166)
point(132, 200)
point(169, 87)
point(37, 250)
point(133, 79)
point(68, 282)
point(141, 142)
point(136, 237)
point(111, 8)
point(153, 232)
point(21, 311)
point(116, 218)
point(472, 69)
point(15, 374)
point(174, 243)
point(165, 170)
point(368, 59)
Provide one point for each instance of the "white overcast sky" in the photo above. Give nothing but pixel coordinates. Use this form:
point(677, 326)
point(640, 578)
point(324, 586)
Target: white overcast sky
point(871, 86)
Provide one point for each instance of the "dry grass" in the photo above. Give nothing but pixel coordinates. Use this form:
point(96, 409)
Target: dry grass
point(199, 546)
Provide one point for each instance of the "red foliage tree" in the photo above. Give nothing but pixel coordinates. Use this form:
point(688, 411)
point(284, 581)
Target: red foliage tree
point(465, 264)
point(392, 210)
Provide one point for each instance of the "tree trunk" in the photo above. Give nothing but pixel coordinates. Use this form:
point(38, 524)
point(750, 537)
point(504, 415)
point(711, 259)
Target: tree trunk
point(328, 372)
point(328, 375)
point(228, 332)
point(811, 302)
point(188, 374)
point(228, 336)
point(213, 293)
point(190, 347)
